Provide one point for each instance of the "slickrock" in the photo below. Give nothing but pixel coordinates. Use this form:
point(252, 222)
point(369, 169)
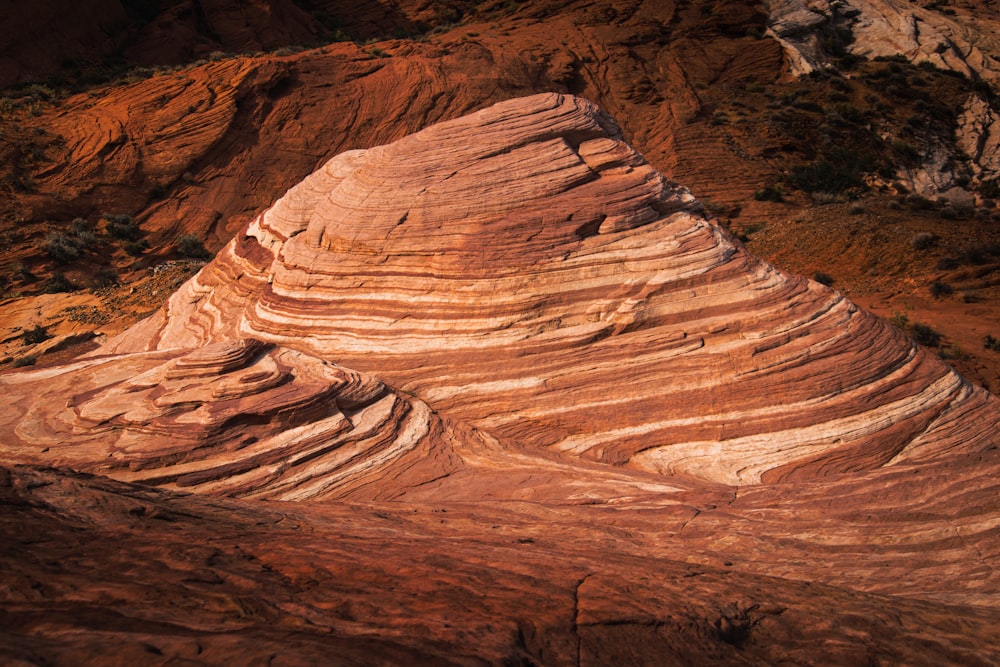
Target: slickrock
point(586, 426)
point(881, 28)
point(526, 271)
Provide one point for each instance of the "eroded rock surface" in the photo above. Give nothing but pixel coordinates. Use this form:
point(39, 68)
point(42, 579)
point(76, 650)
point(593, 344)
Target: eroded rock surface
point(525, 270)
point(585, 427)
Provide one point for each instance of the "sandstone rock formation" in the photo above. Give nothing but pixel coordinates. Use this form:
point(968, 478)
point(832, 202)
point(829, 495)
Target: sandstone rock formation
point(586, 426)
point(580, 290)
point(881, 28)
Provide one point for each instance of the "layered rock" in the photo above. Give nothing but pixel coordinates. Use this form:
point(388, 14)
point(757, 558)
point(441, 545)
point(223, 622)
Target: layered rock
point(242, 418)
point(576, 395)
point(525, 270)
point(881, 28)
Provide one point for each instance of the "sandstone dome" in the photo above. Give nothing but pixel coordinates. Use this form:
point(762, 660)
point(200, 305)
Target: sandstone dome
point(524, 270)
point(535, 406)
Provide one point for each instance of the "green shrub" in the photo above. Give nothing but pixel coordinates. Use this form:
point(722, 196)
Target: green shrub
point(60, 247)
point(190, 245)
point(769, 193)
point(135, 248)
point(36, 335)
point(58, 283)
point(122, 227)
point(25, 361)
point(991, 343)
point(925, 335)
point(940, 289)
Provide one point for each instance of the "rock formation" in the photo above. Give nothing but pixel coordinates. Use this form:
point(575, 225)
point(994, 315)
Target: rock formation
point(881, 28)
point(580, 290)
point(538, 407)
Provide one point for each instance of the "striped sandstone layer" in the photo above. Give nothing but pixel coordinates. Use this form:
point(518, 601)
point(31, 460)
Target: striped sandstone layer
point(524, 270)
point(526, 301)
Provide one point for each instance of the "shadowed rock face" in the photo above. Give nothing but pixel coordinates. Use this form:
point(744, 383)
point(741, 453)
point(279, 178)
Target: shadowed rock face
point(617, 437)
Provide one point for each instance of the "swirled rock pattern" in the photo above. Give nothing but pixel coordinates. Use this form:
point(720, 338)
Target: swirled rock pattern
point(586, 427)
point(523, 269)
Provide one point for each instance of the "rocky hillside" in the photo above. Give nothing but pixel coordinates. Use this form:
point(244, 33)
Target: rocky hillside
point(523, 401)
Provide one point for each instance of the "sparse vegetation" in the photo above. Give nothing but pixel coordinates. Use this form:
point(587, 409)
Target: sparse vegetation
point(122, 227)
point(58, 282)
point(190, 245)
point(135, 248)
point(923, 241)
point(60, 247)
point(839, 170)
point(925, 335)
point(66, 247)
point(28, 360)
point(769, 193)
point(990, 342)
point(35, 335)
point(823, 278)
point(953, 353)
point(940, 289)
point(106, 277)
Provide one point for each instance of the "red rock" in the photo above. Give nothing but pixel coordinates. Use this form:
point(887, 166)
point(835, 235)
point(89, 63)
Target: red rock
point(523, 269)
point(587, 427)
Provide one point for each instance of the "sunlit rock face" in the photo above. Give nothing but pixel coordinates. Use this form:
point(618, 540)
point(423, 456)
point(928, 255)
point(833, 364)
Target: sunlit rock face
point(524, 270)
point(241, 418)
point(574, 399)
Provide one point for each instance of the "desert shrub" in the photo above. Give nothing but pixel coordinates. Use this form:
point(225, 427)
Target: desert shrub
point(925, 335)
point(135, 248)
point(991, 343)
point(900, 320)
point(947, 264)
point(823, 278)
point(58, 283)
point(948, 213)
point(990, 188)
point(190, 245)
point(849, 112)
point(81, 225)
point(20, 271)
point(923, 241)
point(808, 105)
point(940, 289)
point(35, 335)
point(60, 247)
point(953, 353)
point(122, 227)
point(980, 254)
point(838, 170)
point(906, 152)
point(769, 193)
point(919, 203)
point(106, 277)
point(25, 361)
